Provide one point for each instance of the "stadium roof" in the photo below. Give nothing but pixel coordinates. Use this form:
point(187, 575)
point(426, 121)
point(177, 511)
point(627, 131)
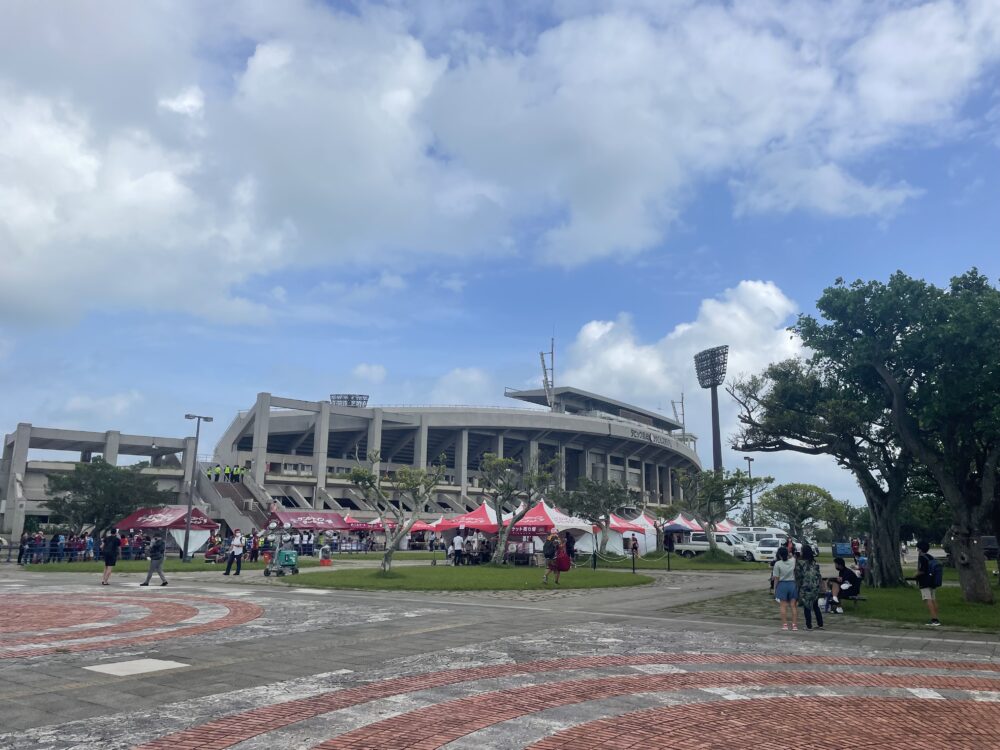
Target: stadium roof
point(572, 400)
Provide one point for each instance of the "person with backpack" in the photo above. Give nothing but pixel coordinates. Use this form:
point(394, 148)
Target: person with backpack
point(810, 585)
point(930, 574)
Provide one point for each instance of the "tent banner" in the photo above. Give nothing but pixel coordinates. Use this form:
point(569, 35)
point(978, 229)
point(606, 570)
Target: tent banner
point(196, 540)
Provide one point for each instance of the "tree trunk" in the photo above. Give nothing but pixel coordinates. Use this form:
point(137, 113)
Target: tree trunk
point(604, 536)
point(967, 553)
point(885, 568)
point(387, 558)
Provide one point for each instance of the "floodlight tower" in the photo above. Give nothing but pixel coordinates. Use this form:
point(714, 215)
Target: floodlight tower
point(711, 368)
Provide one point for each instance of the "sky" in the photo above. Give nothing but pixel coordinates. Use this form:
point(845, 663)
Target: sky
point(200, 201)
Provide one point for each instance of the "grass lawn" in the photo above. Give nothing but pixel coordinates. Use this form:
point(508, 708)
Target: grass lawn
point(170, 565)
point(897, 607)
point(465, 578)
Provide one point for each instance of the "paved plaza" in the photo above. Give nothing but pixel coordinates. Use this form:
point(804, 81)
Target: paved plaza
point(209, 662)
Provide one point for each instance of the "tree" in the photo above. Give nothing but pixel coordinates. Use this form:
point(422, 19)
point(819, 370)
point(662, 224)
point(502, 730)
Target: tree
point(406, 485)
point(842, 519)
point(711, 496)
point(509, 484)
point(595, 502)
point(795, 505)
point(760, 517)
point(934, 356)
point(97, 494)
point(814, 408)
point(925, 513)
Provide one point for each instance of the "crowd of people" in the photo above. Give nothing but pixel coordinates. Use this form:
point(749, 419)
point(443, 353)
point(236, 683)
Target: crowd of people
point(796, 581)
point(226, 473)
point(64, 547)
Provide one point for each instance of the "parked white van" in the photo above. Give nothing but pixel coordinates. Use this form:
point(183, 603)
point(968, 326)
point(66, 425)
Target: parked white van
point(731, 543)
point(756, 533)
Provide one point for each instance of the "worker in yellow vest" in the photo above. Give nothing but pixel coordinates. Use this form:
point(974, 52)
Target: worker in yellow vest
point(218, 472)
point(228, 473)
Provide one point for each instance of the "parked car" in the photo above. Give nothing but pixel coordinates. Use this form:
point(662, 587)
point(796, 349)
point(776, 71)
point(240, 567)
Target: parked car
point(767, 549)
point(698, 543)
point(990, 548)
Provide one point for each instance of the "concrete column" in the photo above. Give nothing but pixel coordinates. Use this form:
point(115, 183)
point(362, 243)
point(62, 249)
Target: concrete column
point(530, 456)
point(17, 463)
point(562, 466)
point(656, 484)
point(321, 441)
point(462, 461)
point(375, 438)
point(420, 445)
point(261, 427)
point(607, 467)
point(188, 463)
point(498, 450)
point(112, 439)
point(583, 467)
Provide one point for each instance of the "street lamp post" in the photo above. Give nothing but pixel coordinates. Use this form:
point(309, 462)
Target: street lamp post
point(185, 553)
point(710, 366)
point(749, 460)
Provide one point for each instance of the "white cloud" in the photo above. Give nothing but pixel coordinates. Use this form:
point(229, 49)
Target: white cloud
point(464, 386)
point(369, 373)
point(189, 102)
point(416, 134)
point(107, 407)
point(752, 318)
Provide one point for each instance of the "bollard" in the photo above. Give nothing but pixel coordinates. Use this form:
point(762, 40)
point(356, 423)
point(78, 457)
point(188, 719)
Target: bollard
point(633, 563)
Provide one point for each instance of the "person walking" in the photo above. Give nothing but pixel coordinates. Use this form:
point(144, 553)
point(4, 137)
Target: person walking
point(155, 557)
point(109, 551)
point(926, 582)
point(235, 553)
point(810, 585)
point(784, 589)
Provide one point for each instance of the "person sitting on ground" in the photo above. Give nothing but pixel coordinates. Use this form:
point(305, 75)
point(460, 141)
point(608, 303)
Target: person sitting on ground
point(846, 584)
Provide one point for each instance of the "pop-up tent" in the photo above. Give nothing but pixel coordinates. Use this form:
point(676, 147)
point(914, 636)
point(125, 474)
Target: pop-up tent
point(312, 520)
point(481, 519)
point(172, 518)
point(544, 519)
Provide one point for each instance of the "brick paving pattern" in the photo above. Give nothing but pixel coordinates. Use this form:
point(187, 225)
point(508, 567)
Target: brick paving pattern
point(56, 628)
point(437, 725)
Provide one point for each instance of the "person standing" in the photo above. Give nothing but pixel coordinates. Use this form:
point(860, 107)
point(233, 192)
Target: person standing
point(235, 553)
point(926, 580)
point(458, 545)
point(24, 548)
point(784, 589)
point(228, 473)
point(218, 472)
point(634, 546)
point(570, 546)
point(109, 551)
point(155, 557)
point(810, 585)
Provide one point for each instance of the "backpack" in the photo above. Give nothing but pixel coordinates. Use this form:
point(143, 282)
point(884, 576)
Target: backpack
point(549, 549)
point(935, 572)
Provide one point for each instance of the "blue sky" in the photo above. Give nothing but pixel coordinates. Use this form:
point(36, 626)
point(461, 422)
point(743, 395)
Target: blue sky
point(199, 203)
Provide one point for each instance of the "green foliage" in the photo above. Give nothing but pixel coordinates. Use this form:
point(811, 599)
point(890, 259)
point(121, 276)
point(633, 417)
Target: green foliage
point(98, 494)
point(509, 484)
point(933, 356)
point(795, 505)
point(925, 513)
point(712, 496)
point(595, 502)
point(842, 519)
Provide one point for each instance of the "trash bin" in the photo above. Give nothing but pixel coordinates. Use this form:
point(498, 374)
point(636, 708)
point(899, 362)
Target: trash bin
point(325, 556)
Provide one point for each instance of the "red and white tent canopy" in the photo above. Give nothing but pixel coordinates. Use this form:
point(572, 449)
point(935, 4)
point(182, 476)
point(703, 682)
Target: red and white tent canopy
point(544, 519)
point(481, 519)
point(621, 525)
point(353, 524)
point(724, 526)
point(314, 520)
point(167, 517)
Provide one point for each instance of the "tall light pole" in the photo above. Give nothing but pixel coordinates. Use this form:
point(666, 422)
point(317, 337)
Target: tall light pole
point(749, 460)
point(185, 554)
point(710, 365)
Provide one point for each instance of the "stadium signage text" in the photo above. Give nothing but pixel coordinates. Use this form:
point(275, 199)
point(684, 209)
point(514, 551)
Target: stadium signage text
point(652, 438)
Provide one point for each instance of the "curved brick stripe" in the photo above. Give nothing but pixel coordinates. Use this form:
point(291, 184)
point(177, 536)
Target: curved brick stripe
point(239, 727)
point(29, 617)
point(802, 723)
point(165, 613)
point(161, 613)
point(434, 726)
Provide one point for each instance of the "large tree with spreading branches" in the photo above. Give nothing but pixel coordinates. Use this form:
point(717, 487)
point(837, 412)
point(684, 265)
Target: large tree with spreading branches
point(509, 483)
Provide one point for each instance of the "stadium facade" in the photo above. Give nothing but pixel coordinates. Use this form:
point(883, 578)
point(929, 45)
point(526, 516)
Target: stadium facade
point(298, 453)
